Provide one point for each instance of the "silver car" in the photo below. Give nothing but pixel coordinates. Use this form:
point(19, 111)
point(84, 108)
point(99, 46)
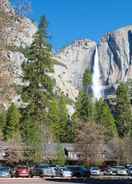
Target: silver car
point(121, 170)
point(66, 173)
point(44, 170)
point(111, 171)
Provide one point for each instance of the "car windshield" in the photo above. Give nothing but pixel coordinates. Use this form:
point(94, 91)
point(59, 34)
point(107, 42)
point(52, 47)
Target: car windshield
point(21, 167)
point(114, 167)
point(121, 167)
point(4, 169)
point(65, 169)
point(44, 166)
point(94, 168)
point(73, 168)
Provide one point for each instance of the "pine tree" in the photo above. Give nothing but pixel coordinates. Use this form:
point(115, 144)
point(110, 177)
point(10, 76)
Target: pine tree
point(31, 137)
point(64, 120)
point(123, 112)
point(2, 123)
point(38, 88)
point(54, 119)
point(87, 80)
point(104, 117)
point(129, 85)
point(87, 77)
point(12, 125)
point(59, 120)
point(84, 107)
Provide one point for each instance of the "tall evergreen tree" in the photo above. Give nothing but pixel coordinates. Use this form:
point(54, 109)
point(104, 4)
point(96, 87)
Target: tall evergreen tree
point(123, 112)
point(129, 85)
point(87, 81)
point(12, 125)
point(104, 117)
point(2, 123)
point(54, 120)
point(84, 107)
point(38, 88)
point(87, 77)
point(59, 120)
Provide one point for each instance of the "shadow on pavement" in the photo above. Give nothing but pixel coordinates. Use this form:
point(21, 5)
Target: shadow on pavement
point(109, 181)
point(75, 180)
point(93, 181)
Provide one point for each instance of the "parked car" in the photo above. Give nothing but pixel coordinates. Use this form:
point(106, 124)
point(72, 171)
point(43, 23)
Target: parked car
point(128, 166)
point(121, 170)
point(79, 171)
point(5, 171)
point(117, 170)
point(65, 172)
point(112, 171)
point(22, 171)
point(107, 171)
point(95, 171)
point(130, 171)
point(45, 170)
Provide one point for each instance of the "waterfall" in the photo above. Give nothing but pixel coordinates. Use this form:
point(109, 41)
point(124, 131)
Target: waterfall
point(96, 78)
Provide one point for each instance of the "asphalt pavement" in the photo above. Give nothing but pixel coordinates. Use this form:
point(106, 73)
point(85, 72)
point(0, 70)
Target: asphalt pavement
point(36, 181)
point(94, 180)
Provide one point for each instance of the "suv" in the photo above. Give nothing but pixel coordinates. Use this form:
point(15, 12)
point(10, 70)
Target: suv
point(79, 171)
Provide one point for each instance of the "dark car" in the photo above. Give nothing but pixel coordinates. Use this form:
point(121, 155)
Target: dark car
point(5, 171)
point(22, 171)
point(130, 171)
point(78, 171)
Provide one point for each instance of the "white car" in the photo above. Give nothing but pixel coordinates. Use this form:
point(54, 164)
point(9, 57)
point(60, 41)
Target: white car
point(95, 171)
point(66, 172)
point(121, 170)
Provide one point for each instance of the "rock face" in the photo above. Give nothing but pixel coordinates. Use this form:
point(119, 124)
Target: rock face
point(19, 31)
point(6, 7)
point(19, 34)
point(74, 60)
point(115, 58)
point(115, 55)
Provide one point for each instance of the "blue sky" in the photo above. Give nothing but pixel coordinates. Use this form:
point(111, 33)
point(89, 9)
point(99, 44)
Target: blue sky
point(75, 19)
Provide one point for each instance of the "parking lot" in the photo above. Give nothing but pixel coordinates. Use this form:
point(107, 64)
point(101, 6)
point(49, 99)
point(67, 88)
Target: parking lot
point(92, 180)
point(49, 174)
point(35, 181)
